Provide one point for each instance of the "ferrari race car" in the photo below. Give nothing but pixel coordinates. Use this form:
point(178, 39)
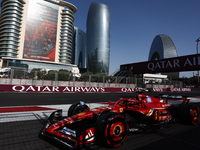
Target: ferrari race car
point(109, 125)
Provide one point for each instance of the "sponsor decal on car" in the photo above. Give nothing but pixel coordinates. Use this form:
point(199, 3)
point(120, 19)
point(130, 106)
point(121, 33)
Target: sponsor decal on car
point(166, 105)
point(80, 114)
point(133, 129)
point(149, 99)
point(150, 112)
point(89, 136)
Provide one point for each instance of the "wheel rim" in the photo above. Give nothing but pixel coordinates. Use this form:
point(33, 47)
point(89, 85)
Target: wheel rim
point(117, 131)
point(194, 115)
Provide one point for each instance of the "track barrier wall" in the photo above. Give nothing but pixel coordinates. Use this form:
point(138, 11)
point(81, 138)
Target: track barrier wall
point(72, 89)
point(62, 82)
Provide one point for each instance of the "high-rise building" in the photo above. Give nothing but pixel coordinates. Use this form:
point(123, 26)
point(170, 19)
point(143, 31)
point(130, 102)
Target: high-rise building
point(79, 49)
point(163, 47)
point(98, 38)
point(36, 34)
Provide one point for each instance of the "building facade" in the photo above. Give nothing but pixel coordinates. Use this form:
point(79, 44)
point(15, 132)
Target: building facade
point(98, 38)
point(79, 48)
point(163, 47)
point(36, 34)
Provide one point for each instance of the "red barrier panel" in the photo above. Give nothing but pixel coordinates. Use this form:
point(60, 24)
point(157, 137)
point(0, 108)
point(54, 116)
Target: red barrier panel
point(63, 89)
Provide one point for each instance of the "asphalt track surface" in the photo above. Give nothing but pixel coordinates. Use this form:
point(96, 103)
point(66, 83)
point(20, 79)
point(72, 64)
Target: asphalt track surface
point(23, 135)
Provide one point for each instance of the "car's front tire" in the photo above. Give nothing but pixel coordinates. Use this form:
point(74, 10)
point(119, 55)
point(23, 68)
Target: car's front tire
point(112, 129)
point(77, 108)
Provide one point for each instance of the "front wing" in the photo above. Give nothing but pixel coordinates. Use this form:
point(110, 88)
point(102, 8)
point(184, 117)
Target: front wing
point(75, 138)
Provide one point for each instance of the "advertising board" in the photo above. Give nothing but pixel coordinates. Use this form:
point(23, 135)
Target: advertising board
point(41, 30)
point(74, 89)
point(183, 63)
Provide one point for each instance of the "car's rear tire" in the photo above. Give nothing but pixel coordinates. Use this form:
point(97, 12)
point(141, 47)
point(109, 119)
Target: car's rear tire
point(112, 129)
point(188, 114)
point(77, 108)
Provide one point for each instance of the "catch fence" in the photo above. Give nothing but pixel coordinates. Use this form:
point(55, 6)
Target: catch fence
point(65, 78)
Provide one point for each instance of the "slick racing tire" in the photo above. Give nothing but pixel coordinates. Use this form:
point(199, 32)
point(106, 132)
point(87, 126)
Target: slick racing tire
point(188, 114)
point(112, 130)
point(77, 108)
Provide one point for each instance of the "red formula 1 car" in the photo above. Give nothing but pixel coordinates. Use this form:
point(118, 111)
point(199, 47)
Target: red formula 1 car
point(110, 124)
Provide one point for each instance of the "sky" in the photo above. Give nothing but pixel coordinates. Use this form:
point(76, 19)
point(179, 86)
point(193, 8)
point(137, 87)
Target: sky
point(135, 23)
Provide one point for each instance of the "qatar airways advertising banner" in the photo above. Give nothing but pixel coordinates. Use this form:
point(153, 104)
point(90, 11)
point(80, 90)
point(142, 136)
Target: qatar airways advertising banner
point(41, 30)
point(71, 89)
point(184, 63)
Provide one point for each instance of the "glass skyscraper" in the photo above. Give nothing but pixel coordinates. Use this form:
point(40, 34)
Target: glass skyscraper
point(79, 48)
point(163, 47)
point(98, 38)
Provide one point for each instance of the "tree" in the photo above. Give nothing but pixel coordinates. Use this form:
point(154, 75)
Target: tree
point(50, 75)
point(37, 73)
point(64, 75)
point(85, 76)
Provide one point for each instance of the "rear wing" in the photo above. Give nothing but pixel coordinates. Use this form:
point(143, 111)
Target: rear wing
point(184, 99)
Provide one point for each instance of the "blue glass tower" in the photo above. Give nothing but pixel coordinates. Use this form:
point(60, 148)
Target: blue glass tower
point(98, 38)
point(79, 48)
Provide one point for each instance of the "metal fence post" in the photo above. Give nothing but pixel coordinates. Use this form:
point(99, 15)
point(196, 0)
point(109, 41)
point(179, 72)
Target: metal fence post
point(103, 81)
point(135, 82)
point(56, 78)
point(73, 80)
point(98, 81)
point(116, 82)
point(42, 78)
point(35, 77)
point(11, 75)
point(89, 80)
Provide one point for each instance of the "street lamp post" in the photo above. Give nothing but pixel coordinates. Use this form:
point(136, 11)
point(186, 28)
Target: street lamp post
point(197, 53)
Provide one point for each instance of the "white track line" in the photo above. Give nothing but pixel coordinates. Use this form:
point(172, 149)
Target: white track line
point(34, 115)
